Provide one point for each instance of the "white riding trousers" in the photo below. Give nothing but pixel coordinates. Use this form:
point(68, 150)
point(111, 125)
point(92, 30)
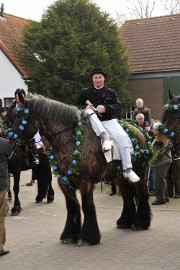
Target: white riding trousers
point(115, 130)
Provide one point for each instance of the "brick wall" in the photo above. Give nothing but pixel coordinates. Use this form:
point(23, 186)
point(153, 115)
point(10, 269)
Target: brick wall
point(151, 91)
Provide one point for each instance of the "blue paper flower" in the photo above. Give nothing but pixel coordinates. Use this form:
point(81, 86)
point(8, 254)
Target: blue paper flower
point(51, 157)
point(69, 172)
point(78, 143)
point(26, 111)
point(74, 162)
point(24, 122)
point(10, 134)
point(65, 179)
point(15, 136)
point(165, 130)
point(58, 176)
point(176, 107)
point(18, 109)
point(166, 106)
point(79, 124)
point(54, 168)
point(76, 152)
point(78, 133)
point(172, 134)
point(21, 127)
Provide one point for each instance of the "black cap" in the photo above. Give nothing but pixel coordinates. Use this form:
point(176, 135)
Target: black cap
point(98, 70)
point(22, 91)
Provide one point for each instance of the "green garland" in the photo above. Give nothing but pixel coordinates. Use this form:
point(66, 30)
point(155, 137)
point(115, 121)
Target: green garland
point(147, 151)
point(172, 107)
point(24, 117)
point(68, 178)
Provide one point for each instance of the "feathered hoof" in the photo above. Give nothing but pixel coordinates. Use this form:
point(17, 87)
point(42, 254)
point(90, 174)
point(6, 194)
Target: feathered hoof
point(38, 200)
point(50, 200)
point(15, 211)
point(68, 241)
point(81, 242)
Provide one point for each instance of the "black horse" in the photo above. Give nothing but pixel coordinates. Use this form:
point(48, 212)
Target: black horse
point(79, 163)
point(23, 160)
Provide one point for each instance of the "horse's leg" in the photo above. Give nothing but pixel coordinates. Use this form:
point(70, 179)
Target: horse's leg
point(143, 215)
point(137, 216)
point(73, 221)
point(129, 210)
point(17, 206)
point(89, 233)
point(50, 194)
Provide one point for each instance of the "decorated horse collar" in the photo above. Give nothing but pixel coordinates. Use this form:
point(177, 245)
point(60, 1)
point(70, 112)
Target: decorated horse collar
point(172, 107)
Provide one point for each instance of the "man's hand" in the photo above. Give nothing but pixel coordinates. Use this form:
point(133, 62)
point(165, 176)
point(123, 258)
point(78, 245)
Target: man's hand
point(101, 109)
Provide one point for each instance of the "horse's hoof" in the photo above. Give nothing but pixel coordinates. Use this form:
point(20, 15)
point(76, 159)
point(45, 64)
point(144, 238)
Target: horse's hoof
point(68, 241)
point(138, 228)
point(16, 210)
point(123, 226)
point(81, 242)
point(50, 201)
point(39, 200)
point(14, 214)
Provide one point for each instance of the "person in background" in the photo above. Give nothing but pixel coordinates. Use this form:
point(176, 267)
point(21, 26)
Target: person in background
point(160, 165)
point(103, 107)
point(141, 108)
point(5, 153)
point(113, 189)
point(140, 118)
point(3, 112)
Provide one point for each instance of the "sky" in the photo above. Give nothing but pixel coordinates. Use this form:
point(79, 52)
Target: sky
point(33, 9)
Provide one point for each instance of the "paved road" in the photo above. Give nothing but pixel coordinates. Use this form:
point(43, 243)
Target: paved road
point(33, 236)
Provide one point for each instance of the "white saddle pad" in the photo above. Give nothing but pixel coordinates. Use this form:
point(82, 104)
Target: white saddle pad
point(112, 154)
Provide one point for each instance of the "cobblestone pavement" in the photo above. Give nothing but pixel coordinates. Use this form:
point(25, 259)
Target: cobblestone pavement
point(33, 236)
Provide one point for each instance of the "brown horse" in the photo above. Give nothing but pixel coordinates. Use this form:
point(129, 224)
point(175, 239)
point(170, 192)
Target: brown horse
point(168, 137)
point(57, 122)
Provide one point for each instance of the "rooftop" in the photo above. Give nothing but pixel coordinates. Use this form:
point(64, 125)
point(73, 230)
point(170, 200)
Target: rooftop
point(11, 42)
point(152, 44)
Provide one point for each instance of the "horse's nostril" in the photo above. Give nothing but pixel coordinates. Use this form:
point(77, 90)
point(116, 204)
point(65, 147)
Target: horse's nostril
point(159, 144)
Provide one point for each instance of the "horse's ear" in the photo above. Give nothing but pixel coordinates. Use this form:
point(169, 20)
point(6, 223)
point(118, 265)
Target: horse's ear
point(170, 95)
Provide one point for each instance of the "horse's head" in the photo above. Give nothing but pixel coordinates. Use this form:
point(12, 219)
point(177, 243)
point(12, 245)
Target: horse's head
point(23, 128)
point(169, 130)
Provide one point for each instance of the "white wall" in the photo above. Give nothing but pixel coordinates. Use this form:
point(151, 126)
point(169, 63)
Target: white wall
point(10, 79)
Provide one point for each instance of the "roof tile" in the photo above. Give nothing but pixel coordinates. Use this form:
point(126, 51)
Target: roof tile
point(11, 42)
point(152, 44)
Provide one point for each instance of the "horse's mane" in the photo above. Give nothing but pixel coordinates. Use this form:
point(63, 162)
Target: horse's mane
point(49, 109)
